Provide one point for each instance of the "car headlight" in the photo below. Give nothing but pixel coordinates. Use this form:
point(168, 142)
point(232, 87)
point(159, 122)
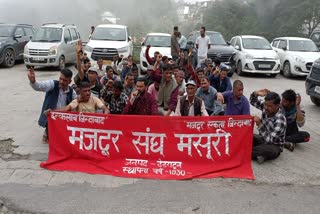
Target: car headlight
point(248, 56)
point(88, 48)
point(53, 50)
point(299, 59)
point(26, 50)
point(123, 50)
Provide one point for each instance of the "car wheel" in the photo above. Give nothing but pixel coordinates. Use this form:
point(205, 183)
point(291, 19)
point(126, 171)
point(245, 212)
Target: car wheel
point(315, 100)
point(239, 69)
point(9, 58)
point(287, 69)
point(62, 63)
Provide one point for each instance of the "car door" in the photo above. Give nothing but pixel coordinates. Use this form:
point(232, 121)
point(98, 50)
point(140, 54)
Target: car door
point(20, 41)
point(68, 45)
point(238, 48)
point(75, 39)
point(282, 51)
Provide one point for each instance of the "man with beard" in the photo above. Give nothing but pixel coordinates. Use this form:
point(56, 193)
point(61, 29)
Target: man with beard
point(236, 102)
point(140, 101)
point(86, 102)
point(271, 126)
point(58, 94)
point(116, 100)
point(202, 44)
point(295, 116)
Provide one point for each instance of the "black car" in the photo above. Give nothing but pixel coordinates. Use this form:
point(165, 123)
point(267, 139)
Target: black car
point(315, 37)
point(219, 49)
point(313, 83)
point(13, 38)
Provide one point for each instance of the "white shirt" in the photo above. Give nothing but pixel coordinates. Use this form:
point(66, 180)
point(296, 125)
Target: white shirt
point(203, 43)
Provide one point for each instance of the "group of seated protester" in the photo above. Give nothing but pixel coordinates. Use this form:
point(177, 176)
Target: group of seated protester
point(174, 88)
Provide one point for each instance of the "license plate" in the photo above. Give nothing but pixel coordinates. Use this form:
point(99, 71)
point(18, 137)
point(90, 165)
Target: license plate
point(37, 59)
point(317, 89)
point(264, 66)
point(107, 62)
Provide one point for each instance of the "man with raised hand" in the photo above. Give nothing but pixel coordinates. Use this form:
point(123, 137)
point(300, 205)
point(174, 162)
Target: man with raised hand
point(59, 93)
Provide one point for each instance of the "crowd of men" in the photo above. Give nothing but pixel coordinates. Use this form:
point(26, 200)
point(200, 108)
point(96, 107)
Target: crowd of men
point(174, 87)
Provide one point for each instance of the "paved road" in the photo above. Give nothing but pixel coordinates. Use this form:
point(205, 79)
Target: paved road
point(289, 184)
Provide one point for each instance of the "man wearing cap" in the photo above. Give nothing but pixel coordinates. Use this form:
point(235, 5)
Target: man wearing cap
point(90, 76)
point(58, 94)
point(190, 104)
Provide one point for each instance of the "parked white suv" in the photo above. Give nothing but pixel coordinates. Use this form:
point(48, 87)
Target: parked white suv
point(254, 54)
point(107, 41)
point(52, 45)
point(296, 55)
point(159, 42)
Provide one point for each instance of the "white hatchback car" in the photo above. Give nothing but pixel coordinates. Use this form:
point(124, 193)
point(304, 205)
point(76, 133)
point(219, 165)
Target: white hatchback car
point(159, 42)
point(255, 55)
point(296, 55)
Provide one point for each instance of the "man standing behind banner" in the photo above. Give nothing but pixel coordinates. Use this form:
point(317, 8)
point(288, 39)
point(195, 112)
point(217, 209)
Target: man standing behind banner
point(191, 105)
point(140, 101)
point(271, 126)
point(58, 94)
point(86, 102)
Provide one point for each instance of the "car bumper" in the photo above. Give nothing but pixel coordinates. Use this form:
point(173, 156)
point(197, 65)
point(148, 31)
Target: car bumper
point(301, 69)
point(41, 60)
point(261, 66)
point(313, 87)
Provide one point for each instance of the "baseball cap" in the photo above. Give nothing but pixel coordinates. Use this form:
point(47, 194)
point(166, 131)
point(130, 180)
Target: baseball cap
point(191, 82)
point(93, 69)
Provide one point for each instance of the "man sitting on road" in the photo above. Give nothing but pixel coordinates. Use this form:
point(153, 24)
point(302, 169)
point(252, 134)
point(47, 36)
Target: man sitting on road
point(190, 104)
point(209, 95)
point(271, 126)
point(58, 94)
point(86, 102)
point(116, 100)
point(236, 102)
point(140, 101)
point(295, 118)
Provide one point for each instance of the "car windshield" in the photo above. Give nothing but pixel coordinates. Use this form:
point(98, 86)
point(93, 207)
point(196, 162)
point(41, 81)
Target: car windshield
point(215, 38)
point(46, 34)
point(6, 31)
point(256, 43)
point(109, 34)
point(158, 41)
point(302, 45)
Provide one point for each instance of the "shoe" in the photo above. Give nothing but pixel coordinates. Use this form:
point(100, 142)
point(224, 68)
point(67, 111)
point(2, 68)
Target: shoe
point(260, 159)
point(289, 146)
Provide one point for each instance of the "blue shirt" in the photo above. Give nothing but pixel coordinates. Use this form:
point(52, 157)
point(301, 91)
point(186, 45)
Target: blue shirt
point(209, 98)
point(48, 85)
point(220, 86)
point(236, 107)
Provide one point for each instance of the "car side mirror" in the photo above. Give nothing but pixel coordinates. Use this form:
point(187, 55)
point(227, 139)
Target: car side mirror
point(142, 44)
point(228, 43)
point(237, 47)
point(17, 36)
point(66, 40)
point(129, 38)
point(284, 48)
